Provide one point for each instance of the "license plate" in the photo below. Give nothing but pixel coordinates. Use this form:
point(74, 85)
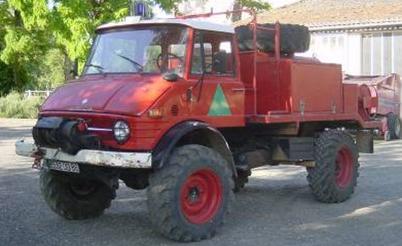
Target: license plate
point(63, 166)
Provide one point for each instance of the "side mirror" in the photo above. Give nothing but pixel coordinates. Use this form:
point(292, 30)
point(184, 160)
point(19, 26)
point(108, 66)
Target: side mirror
point(74, 70)
point(172, 77)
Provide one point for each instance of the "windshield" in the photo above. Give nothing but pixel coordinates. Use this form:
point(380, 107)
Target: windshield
point(151, 49)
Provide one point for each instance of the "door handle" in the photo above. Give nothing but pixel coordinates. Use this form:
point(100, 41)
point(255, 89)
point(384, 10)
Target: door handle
point(238, 89)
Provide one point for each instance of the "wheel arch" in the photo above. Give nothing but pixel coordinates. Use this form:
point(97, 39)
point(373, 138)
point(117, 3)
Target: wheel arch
point(191, 132)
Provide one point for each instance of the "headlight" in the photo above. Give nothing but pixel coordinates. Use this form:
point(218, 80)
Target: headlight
point(121, 131)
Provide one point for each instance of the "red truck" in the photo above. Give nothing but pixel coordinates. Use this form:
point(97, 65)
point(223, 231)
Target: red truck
point(178, 107)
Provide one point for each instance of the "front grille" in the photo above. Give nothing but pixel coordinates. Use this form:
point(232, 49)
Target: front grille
point(58, 132)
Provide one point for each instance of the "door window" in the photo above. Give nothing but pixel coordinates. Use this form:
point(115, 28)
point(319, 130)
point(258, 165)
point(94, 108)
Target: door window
point(213, 53)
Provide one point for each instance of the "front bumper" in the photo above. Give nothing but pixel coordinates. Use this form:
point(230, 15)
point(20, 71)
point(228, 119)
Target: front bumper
point(86, 156)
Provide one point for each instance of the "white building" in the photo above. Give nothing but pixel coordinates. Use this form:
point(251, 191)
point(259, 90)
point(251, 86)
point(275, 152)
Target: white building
point(365, 36)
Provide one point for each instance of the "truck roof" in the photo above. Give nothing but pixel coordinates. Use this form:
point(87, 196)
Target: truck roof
point(196, 24)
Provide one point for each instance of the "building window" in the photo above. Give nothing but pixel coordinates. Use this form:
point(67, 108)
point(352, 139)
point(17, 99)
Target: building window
point(366, 53)
point(381, 53)
point(397, 50)
point(328, 47)
point(387, 53)
point(376, 61)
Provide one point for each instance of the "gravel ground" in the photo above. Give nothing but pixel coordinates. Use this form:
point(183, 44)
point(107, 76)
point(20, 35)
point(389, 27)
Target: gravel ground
point(276, 207)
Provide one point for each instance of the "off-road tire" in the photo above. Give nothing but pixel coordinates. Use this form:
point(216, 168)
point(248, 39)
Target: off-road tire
point(394, 126)
point(60, 197)
point(164, 199)
point(294, 38)
point(241, 180)
point(323, 177)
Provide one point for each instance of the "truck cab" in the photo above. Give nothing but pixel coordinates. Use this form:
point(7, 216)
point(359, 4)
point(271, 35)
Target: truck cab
point(153, 75)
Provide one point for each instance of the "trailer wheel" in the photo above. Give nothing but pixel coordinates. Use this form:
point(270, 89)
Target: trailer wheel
point(189, 197)
point(387, 136)
point(334, 177)
point(394, 126)
point(242, 179)
point(74, 198)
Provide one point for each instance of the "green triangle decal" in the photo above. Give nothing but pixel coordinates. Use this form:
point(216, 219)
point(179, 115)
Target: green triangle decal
point(219, 105)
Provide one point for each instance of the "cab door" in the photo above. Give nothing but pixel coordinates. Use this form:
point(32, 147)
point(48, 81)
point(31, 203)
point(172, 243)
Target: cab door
point(217, 89)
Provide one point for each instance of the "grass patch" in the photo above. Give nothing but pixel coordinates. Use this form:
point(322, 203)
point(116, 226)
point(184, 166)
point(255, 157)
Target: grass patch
point(15, 105)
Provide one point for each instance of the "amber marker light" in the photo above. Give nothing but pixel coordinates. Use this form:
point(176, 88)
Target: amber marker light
point(155, 113)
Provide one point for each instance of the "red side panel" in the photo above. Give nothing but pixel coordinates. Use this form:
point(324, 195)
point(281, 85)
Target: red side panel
point(351, 93)
point(272, 91)
point(316, 87)
point(246, 75)
point(273, 86)
point(294, 89)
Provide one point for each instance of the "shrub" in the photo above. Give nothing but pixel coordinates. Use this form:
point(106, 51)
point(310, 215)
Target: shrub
point(15, 105)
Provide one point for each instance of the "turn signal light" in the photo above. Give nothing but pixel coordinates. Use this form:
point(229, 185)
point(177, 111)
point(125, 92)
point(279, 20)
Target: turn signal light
point(155, 113)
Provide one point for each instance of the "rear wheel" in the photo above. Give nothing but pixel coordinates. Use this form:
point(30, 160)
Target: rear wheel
point(334, 176)
point(75, 198)
point(189, 197)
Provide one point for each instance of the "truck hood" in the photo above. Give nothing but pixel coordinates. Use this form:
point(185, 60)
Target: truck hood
point(120, 94)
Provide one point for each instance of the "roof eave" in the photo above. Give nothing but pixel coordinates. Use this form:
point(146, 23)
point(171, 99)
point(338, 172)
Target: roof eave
point(346, 26)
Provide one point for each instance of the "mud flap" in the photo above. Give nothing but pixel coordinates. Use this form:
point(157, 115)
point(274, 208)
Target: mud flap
point(365, 142)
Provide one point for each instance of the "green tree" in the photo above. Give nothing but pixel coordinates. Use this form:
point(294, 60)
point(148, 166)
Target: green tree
point(75, 21)
point(31, 30)
point(51, 71)
point(23, 42)
point(170, 6)
point(255, 5)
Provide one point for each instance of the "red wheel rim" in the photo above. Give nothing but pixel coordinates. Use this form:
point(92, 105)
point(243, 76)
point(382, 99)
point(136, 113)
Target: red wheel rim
point(201, 196)
point(344, 168)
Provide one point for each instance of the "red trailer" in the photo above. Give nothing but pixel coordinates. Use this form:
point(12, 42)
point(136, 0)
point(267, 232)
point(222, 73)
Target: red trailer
point(385, 100)
point(178, 107)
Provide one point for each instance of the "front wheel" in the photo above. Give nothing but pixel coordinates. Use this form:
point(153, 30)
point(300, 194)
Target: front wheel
point(189, 197)
point(75, 198)
point(334, 176)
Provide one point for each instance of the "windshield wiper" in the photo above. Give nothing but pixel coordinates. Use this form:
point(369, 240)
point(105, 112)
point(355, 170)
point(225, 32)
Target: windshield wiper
point(138, 65)
point(98, 67)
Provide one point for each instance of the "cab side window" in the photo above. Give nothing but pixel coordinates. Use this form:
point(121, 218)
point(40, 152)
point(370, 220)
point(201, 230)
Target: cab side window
point(213, 53)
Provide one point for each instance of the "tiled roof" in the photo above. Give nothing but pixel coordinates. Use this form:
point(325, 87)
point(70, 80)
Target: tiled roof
point(321, 14)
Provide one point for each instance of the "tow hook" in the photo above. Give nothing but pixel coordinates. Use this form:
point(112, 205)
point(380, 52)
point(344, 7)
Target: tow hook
point(38, 156)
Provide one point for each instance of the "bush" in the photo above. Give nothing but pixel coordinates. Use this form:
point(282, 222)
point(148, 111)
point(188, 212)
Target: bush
point(14, 105)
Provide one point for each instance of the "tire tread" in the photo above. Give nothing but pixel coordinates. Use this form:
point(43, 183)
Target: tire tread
point(321, 177)
point(162, 186)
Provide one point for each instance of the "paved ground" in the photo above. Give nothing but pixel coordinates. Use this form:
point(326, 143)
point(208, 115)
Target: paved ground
point(276, 208)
